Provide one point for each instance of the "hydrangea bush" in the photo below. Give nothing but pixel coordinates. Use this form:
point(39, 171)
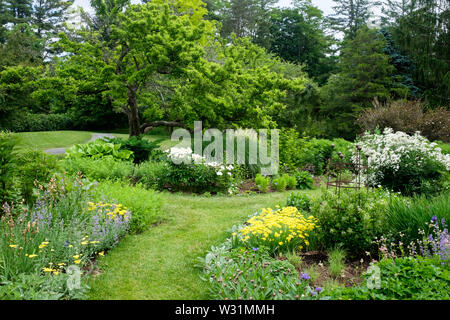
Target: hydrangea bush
point(404, 163)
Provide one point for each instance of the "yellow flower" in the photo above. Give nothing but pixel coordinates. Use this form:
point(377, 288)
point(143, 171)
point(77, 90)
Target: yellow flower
point(84, 243)
point(13, 245)
point(31, 256)
point(101, 253)
point(77, 261)
point(76, 256)
point(280, 243)
point(95, 242)
point(47, 269)
point(61, 264)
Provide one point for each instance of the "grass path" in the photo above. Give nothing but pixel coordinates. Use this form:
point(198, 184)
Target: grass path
point(161, 263)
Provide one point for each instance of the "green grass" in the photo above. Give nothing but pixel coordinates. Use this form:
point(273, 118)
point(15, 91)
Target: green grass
point(161, 263)
point(63, 139)
point(51, 139)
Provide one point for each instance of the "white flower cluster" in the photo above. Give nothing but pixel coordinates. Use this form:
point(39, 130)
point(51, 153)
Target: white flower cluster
point(186, 155)
point(390, 149)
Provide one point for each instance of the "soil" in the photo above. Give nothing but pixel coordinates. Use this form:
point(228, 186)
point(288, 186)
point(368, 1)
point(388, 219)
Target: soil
point(350, 276)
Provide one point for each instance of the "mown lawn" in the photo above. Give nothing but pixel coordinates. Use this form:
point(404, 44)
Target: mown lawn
point(63, 139)
point(51, 139)
point(161, 263)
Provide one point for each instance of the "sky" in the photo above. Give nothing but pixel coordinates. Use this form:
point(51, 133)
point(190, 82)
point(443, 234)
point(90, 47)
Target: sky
point(324, 5)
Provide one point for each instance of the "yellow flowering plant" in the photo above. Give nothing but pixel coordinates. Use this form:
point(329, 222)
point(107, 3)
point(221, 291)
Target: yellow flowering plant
point(282, 229)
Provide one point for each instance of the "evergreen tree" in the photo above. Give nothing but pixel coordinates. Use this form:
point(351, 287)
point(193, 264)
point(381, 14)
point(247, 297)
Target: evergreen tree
point(365, 74)
point(351, 15)
point(19, 11)
point(49, 15)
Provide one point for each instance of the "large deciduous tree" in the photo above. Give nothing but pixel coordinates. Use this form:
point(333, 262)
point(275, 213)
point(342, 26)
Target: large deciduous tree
point(146, 41)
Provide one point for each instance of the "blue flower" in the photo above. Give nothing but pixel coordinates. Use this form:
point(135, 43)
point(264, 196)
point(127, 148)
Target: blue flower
point(318, 289)
point(434, 219)
point(255, 249)
point(305, 276)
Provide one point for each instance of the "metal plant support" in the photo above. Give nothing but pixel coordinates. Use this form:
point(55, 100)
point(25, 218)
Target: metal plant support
point(358, 169)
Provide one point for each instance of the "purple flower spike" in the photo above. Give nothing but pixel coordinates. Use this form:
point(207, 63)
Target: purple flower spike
point(318, 289)
point(305, 276)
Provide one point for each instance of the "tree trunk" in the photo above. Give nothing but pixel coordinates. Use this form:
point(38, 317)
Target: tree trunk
point(133, 114)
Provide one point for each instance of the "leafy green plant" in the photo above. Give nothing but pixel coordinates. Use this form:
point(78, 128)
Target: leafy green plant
point(101, 169)
point(141, 148)
point(291, 182)
point(407, 217)
point(145, 204)
point(262, 183)
point(8, 166)
point(351, 219)
point(34, 167)
point(300, 201)
point(280, 183)
point(252, 275)
point(401, 279)
point(99, 149)
point(304, 180)
point(150, 174)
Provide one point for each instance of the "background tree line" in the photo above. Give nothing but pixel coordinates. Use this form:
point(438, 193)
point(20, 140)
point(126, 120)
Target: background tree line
point(239, 63)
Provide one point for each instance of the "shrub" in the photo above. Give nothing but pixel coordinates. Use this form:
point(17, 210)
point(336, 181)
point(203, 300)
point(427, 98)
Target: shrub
point(141, 148)
point(8, 166)
point(304, 180)
point(34, 167)
point(282, 230)
point(350, 220)
point(291, 182)
point(300, 201)
point(400, 279)
point(150, 174)
point(30, 122)
point(145, 204)
point(408, 117)
point(99, 149)
point(280, 183)
point(102, 169)
point(190, 172)
point(403, 163)
point(262, 183)
point(408, 216)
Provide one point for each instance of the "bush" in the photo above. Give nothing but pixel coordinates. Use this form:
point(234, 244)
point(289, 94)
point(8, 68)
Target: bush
point(262, 183)
point(408, 117)
point(102, 169)
point(8, 167)
point(141, 148)
point(280, 183)
point(30, 122)
point(304, 180)
point(407, 217)
point(145, 204)
point(291, 182)
point(350, 220)
point(190, 172)
point(403, 163)
point(401, 279)
point(150, 174)
point(299, 201)
point(34, 167)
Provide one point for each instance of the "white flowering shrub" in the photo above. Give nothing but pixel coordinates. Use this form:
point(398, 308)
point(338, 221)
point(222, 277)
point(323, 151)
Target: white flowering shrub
point(404, 163)
point(191, 172)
